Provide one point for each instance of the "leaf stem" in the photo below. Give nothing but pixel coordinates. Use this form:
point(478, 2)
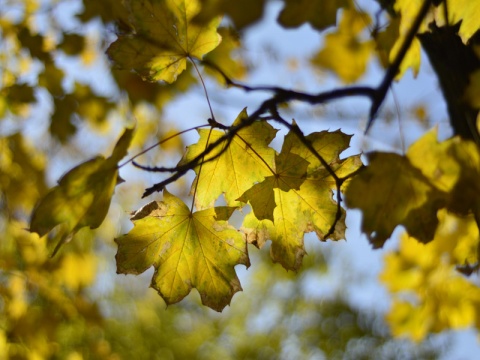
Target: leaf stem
point(204, 87)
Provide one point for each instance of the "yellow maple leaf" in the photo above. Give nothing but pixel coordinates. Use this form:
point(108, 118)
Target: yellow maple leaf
point(188, 250)
point(164, 37)
point(247, 160)
point(303, 201)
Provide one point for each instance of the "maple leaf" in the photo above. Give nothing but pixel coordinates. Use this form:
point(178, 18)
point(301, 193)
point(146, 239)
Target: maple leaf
point(466, 11)
point(81, 198)
point(247, 160)
point(391, 192)
point(188, 251)
point(290, 172)
point(305, 204)
point(163, 39)
point(319, 13)
point(452, 166)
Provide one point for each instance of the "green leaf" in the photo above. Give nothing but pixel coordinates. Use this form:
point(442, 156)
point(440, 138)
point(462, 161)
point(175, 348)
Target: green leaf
point(390, 191)
point(247, 160)
point(163, 39)
point(188, 251)
point(81, 198)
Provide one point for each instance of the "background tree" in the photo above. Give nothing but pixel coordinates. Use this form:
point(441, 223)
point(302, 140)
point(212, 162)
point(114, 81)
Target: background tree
point(63, 102)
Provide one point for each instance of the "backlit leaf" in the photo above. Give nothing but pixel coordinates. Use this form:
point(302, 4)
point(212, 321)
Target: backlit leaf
point(81, 198)
point(307, 208)
point(391, 192)
point(163, 39)
point(188, 251)
point(247, 160)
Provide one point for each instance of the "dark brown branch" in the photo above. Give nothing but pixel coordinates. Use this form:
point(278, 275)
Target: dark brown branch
point(393, 69)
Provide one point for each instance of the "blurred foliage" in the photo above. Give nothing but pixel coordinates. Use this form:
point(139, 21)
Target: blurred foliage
point(62, 101)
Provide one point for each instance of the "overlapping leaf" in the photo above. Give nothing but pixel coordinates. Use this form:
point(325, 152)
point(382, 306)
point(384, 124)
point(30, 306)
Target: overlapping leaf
point(305, 204)
point(391, 192)
point(164, 37)
point(188, 251)
point(409, 190)
point(247, 160)
point(81, 198)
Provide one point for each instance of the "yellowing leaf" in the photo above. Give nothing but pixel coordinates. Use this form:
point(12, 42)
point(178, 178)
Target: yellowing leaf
point(425, 273)
point(225, 57)
point(468, 12)
point(452, 166)
point(163, 39)
point(319, 13)
point(307, 208)
point(290, 173)
point(81, 198)
point(242, 165)
point(344, 53)
point(391, 192)
point(188, 251)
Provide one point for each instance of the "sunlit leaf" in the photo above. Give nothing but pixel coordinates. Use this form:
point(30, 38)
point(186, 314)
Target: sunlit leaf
point(290, 172)
point(188, 251)
point(81, 198)
point(247, 160)
point(163, 39)
point(466, 11)
point(305, 209)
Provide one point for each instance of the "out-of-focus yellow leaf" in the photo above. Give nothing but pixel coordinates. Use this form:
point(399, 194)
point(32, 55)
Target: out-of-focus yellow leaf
point(224, 57)
point(188, 250)
point(408, 10)
point(22, 177)
point(440, 297)
point(81, 198)
point(164, 38)
point(344, 52)
point(76, 270)
point(246, 161)
point(319, 13)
